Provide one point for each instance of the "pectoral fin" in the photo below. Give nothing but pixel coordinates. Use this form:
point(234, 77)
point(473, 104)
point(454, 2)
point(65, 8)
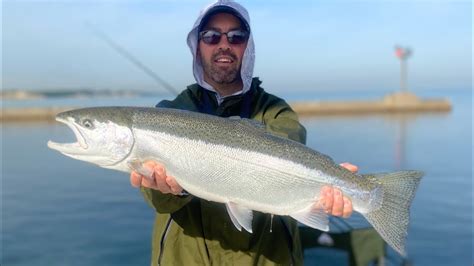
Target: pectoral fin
point(240, 216)
point(315, 218)
point(137, 166)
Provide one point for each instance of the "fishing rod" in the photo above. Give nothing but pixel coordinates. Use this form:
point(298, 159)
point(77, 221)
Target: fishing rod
point(101, 35)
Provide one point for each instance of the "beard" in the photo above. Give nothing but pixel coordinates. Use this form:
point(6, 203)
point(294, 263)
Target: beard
point(219, 74)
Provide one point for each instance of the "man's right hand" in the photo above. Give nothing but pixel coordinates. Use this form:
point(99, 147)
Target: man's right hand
point(158, 181)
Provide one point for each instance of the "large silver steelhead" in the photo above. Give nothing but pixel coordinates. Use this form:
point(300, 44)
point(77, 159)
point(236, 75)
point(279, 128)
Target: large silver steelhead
point(236, 162)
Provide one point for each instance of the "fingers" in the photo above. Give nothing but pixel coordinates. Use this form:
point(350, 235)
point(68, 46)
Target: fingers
point(135, 179)
point(334, 203)
point(338, 203)
point(327, 198)
point(350, 167)
point(347, 212)
point(159, 181)
point(174, 186)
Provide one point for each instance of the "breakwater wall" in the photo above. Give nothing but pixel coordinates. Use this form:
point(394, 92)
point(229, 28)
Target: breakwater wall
point(393, 103)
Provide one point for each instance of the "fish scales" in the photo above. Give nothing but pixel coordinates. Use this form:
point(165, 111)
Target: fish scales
point(192, 126)
point(234, 133)
point(228, 177)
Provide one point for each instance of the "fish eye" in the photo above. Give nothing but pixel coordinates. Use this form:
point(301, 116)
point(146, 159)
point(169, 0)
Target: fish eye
point(87, 123)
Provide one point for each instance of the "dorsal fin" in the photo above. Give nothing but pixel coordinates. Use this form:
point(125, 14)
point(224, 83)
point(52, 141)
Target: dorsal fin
point(253, 124)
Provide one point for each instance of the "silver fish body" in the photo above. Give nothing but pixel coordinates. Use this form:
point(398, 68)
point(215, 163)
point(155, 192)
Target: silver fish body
point(237, 162)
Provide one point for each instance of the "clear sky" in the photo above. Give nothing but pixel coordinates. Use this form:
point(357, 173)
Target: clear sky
point(300, 45)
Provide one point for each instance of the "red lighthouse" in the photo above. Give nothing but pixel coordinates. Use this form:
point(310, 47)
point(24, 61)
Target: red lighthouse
point(403, 53)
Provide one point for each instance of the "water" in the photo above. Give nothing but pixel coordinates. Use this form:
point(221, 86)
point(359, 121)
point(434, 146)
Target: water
point(59, 211)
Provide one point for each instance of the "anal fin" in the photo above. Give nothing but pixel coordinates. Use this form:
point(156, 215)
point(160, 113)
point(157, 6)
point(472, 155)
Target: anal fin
point(315, 218)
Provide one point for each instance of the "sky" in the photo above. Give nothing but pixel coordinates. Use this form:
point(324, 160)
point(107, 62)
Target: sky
point(300, 45)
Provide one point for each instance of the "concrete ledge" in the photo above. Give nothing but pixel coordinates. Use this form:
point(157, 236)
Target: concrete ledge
point(393, 103)
point(31, 114)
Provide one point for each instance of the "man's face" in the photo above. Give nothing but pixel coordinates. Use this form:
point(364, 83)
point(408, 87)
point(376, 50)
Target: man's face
point(222, 61)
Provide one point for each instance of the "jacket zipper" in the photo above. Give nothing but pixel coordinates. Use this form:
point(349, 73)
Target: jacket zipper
point(163, 239)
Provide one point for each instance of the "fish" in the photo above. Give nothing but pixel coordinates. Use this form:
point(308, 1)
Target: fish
point(237, 162)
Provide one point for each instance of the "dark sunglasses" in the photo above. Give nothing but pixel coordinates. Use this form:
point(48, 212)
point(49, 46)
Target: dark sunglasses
point(233, 36)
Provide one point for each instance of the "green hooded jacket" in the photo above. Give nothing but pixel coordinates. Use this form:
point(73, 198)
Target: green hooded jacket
point(192, 231)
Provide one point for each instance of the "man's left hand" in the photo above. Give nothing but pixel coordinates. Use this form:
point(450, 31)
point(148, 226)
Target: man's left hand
point(332, 200)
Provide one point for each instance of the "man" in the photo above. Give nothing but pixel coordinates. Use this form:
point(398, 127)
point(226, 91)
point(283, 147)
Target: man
point(193, 231)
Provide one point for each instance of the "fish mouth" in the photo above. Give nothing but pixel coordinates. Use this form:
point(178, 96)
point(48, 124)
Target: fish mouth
point(75, 148)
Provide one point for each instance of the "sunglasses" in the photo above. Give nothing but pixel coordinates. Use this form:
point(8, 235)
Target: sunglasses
point(233, 37)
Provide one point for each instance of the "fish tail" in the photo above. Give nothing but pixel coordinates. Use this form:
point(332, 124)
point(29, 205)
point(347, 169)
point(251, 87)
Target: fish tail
point(391, 219)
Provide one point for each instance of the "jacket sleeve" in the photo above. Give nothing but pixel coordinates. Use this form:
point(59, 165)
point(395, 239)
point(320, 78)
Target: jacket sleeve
point(164, 203)
point(281, 120)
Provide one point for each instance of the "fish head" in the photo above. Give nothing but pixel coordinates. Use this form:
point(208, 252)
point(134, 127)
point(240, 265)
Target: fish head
point(104, 135)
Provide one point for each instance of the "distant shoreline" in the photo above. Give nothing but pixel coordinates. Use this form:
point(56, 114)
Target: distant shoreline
point(19, 94)
point(401, 102)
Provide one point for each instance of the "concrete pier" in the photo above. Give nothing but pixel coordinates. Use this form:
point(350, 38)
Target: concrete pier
point(392, 103)
point(30, 114)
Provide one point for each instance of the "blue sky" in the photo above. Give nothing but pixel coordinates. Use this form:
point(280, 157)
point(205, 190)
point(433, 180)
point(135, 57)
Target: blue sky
point(300, 45)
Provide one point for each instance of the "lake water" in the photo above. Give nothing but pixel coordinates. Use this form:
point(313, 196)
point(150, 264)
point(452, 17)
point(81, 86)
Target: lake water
point(59, 211)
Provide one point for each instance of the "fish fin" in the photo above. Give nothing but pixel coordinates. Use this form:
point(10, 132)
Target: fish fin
point(391, 219)
point(254, 124)
point(240, 216)
point(233, 219)
point(249, 123)
point(137, 166)
point(315, 218)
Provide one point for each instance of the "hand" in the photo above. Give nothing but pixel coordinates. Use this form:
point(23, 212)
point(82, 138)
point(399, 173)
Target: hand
point(332, 200)
point(159, 180)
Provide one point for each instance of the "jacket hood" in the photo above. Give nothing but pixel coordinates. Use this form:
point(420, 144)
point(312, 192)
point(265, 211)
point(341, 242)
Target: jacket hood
point(248, 60)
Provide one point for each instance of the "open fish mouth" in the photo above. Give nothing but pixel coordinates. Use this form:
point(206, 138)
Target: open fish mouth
point(78, 147)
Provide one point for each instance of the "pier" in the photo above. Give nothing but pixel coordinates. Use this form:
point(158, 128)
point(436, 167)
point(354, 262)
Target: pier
point(398, 102)
point(392, 103)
